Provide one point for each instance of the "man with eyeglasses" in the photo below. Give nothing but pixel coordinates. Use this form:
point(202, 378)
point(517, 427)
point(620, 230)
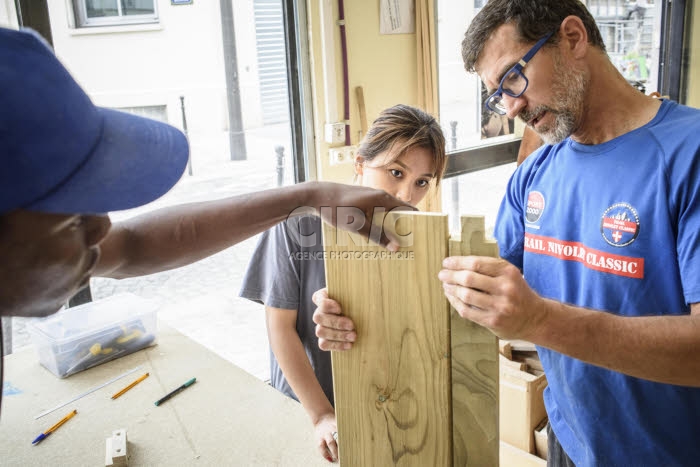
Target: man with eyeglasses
point(598, 232)
point(602, 221)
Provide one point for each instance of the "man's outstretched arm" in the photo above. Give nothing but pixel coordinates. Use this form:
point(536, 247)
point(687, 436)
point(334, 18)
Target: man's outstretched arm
point(175, 236)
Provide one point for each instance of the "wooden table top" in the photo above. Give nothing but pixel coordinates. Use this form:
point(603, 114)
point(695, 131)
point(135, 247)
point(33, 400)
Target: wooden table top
point(228, 417)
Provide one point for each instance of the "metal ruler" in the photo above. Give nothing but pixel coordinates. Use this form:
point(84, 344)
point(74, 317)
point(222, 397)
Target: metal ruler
point(87, 392)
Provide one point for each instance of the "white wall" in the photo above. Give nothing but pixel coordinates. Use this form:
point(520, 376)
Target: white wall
point(8, 14)
point(155, 64)
point(244, 24)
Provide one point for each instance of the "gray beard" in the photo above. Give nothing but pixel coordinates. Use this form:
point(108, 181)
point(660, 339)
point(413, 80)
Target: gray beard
point(564, 125)
point(568, 92)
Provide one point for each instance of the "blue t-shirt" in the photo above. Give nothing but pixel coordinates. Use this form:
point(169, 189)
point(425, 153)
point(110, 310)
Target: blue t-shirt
point(614, 227)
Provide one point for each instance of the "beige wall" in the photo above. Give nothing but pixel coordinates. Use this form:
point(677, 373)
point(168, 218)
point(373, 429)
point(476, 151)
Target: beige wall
point(694, 59)
point(384, 65)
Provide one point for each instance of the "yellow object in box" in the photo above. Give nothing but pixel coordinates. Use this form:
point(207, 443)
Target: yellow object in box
point(81, 337)
point(521, 407)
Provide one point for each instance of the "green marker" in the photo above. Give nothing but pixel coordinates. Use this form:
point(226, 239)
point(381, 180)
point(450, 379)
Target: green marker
point(171, 394)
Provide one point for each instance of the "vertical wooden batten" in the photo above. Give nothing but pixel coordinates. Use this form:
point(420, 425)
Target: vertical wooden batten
point(474, 367)
point(392, 390)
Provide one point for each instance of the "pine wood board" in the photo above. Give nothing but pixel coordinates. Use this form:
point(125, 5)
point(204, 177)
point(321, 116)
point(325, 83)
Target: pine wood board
point(392, 390)
point(474, 368)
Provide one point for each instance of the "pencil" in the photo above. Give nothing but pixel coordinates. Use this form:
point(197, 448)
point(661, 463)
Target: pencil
point(130, 386)
point(43, 436)
point(171, 394)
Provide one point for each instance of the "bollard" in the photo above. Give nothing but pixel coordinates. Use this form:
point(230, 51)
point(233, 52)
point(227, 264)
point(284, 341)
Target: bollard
point(280, 165)
point(184, 128)
point(6, 323)
point(454, 211)
point(453, 138)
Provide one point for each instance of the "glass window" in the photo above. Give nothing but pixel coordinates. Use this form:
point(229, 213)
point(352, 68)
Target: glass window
point(99, 8)
point(263, 157)
point(479, 141)
point(628, 30)
point(155, 112)
point(111, 12)
point(462, 113)
point(234, 149)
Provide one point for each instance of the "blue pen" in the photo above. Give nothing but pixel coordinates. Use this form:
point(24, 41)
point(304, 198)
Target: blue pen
point(45, 434)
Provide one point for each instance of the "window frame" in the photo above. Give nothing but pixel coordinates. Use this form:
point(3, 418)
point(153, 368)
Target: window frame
point(82, 20)
point(473, 159)
point(299, 88)
point(674, 18)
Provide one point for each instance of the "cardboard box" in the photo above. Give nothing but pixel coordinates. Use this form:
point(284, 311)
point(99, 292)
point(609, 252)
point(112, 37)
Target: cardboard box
point(510, 456)
point(541, 439)
point(81, 337)
point(521, 406)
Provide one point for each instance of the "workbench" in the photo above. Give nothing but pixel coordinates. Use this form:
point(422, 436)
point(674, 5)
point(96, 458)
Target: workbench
point(228, 417)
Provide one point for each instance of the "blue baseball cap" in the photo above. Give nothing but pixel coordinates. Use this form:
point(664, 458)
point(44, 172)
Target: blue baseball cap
point(60, 153)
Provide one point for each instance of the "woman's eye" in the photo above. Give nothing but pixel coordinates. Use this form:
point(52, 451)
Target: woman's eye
point(396, 173)
point(422, 183)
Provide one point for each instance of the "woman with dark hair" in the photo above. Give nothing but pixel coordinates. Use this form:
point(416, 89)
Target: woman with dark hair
point(403, 153)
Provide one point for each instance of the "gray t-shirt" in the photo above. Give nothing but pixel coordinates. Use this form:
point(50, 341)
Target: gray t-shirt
point(285, 270)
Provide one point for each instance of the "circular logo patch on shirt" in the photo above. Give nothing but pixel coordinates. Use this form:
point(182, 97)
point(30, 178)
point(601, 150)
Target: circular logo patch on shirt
point(619, 225)
point(535, 206)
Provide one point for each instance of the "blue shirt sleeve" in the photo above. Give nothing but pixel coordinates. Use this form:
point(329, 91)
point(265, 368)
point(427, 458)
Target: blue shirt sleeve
point(683, 171)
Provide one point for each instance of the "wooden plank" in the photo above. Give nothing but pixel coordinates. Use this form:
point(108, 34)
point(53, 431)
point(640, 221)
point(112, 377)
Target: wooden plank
point(514, 457)
point(474, 368)
point(505, 349)
point(392, 390)
point(520, 366)
point(530, 359)
point(360, 94)
point(474, 241)
point(520, 345)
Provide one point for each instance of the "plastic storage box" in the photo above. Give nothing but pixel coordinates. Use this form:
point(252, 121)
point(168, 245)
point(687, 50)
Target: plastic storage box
point(81, 337)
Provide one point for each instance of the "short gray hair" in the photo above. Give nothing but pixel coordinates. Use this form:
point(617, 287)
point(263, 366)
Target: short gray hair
point(533, 20)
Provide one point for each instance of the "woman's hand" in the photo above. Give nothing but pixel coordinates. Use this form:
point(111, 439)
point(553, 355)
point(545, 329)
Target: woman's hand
point(334, 331)
point(326, 429)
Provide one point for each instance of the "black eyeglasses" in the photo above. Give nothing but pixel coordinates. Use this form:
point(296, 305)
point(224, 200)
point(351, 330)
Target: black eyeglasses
point(514, 82)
